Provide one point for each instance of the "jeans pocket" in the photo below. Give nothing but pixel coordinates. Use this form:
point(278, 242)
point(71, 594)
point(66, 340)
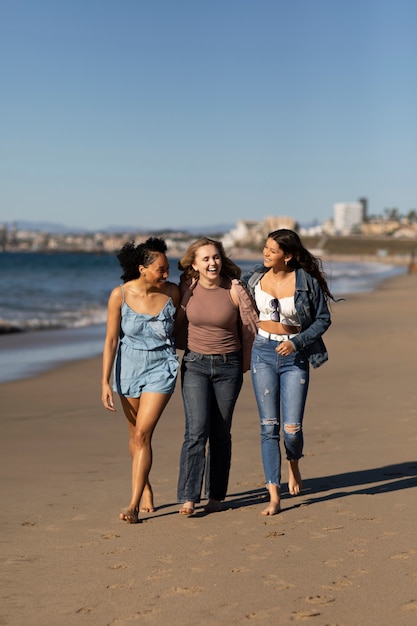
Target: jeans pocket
point(191, 357)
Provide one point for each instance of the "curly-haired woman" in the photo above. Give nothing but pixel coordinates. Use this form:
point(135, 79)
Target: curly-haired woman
point(139, 347)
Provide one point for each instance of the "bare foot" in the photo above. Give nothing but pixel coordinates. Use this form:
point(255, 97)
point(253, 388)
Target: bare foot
point(213, 506)
point(273, 508)
point(130, 516)
point(295, 483)
point(146, 504)
point(187, 508)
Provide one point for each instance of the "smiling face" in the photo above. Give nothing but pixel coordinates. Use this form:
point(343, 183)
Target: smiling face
point(273, 255)
point(156, 273)
point(208, 263)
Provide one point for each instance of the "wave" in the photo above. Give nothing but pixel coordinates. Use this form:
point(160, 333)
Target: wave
point(63, 320)
point(66, 292)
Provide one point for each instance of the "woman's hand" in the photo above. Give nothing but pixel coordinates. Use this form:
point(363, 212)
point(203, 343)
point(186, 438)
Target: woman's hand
point(107, 397)
point(285, 348)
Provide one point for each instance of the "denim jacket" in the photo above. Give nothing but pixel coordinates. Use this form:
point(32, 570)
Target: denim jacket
point(312, 310)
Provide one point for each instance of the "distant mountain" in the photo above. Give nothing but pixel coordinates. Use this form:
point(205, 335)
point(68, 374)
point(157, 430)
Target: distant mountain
point(44, 227)
point(57, 228)
point(207, 230)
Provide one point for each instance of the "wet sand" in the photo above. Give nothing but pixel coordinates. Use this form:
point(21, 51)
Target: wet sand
point(343, 553)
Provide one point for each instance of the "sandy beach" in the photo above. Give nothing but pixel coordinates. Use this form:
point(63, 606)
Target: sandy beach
point(343, 553)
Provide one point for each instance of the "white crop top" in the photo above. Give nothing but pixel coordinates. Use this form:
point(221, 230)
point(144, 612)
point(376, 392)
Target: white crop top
point(265, 303)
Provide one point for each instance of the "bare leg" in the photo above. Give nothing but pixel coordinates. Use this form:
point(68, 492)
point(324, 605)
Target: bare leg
point(274, 506)
point(143, 414)
point(147, 504)
point(294, 478)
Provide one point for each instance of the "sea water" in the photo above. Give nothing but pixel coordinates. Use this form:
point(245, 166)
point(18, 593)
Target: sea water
point(53, 306)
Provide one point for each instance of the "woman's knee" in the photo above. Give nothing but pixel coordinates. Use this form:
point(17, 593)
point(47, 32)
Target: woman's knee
point(269, 428)
point(141, 438)
point(292, 429)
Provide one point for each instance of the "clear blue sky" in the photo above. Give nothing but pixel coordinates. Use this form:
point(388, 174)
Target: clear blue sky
point(162, 113)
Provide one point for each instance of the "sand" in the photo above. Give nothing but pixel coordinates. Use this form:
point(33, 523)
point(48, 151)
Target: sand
point(343, 553)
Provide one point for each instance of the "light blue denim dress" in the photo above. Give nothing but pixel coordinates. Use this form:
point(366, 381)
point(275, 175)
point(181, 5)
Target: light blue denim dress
point(146, 359)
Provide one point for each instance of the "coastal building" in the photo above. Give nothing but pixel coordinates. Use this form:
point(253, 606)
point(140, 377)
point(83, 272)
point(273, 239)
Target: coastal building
point(280, 221)
point(246, 232)
point(348, 217)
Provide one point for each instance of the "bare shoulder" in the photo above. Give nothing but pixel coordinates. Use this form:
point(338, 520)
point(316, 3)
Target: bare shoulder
point(116, 296)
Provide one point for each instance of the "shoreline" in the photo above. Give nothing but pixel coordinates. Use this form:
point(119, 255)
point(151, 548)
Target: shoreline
point(340, 553)
point(26, 353)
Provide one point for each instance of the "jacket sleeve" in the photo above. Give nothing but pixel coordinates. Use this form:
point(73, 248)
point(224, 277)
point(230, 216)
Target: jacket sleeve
point(181, 321)
point(248, 322)
point(314, 317)
point(251, 278)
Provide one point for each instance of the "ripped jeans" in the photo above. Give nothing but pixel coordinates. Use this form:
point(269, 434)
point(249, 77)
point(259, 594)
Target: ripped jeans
point(280, 384)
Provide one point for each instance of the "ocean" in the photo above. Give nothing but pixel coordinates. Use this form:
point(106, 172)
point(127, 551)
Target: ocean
point(53, 306)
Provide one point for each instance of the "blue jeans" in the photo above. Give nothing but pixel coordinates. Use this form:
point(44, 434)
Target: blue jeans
point(210, 387)
point(280, 384)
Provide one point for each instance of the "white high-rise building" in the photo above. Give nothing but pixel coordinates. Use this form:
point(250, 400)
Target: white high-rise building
point(347, 216)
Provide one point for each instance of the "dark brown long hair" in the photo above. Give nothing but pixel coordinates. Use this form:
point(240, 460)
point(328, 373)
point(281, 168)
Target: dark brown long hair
point(229, 268)
point(290, 243)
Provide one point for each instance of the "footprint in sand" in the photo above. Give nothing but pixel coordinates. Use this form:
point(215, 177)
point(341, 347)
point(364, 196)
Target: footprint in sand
point(278, 584)
point(121, 585)
point(135, 617)
point(316, 535)
point(251, 547)
point(85, 609)
point(165, 558)
point(410, 606)
point(332, 562)
point(208, 538)
point(187, 591)
point(403, 555)
point(320, 599)
point(292, 548)
point(240, 570)
point(301, 615)
point(356, 552)
point(342, 583)
point(159, 574)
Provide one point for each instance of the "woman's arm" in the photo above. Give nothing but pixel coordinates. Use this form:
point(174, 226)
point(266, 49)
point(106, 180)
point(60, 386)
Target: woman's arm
point(315, 319)
point(110, 346)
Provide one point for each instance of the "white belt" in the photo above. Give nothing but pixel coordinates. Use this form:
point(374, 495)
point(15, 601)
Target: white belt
point(275, 337)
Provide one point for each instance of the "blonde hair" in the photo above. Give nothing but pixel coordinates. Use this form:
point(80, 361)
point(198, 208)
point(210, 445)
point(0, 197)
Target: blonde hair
point(229, 268)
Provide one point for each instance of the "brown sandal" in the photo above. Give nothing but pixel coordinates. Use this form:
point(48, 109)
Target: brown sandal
point(186, 510)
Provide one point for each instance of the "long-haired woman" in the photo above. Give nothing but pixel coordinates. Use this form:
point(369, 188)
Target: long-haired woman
point(291, 294)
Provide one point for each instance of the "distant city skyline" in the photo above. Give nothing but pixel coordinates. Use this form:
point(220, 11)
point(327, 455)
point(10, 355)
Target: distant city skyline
point(161, 115)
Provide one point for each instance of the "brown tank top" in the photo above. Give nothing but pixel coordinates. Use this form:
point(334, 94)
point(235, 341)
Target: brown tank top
point(213, 320)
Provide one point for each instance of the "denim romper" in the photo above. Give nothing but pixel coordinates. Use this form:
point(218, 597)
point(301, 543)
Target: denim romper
point(146, 359)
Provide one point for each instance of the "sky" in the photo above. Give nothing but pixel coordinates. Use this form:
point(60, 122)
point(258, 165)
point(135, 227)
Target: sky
point(158, 114)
